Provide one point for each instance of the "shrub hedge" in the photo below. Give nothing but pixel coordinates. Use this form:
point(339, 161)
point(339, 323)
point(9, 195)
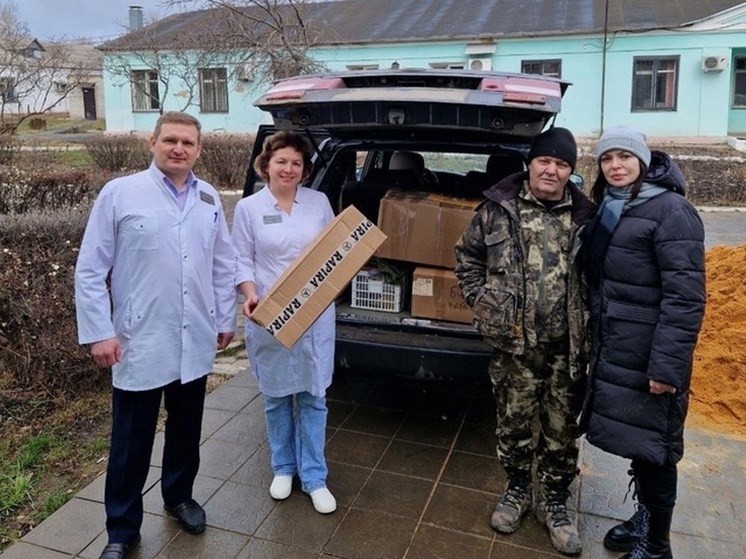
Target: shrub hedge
point(47, 189)
point(223, 162)
point(39, 353)
point(119, 152)
point(42, 219)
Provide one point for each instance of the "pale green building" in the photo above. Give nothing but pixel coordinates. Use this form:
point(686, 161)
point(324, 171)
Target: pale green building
point(674, 68)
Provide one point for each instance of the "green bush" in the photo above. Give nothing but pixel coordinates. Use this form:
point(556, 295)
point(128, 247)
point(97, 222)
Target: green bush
point(225, 160)
point(119, 152)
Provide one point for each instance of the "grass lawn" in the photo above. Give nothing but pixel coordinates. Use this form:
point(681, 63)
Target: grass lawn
point(52, 122)
point(48, 451)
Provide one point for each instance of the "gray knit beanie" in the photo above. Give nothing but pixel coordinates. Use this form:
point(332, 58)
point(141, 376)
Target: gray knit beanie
point(626, 139)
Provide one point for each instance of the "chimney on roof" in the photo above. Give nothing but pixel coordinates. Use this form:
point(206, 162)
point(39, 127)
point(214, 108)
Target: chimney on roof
point(135, 18)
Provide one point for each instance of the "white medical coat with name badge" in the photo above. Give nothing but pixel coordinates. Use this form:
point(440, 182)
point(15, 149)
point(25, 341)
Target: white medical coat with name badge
point(172, 279)
point(267, 240)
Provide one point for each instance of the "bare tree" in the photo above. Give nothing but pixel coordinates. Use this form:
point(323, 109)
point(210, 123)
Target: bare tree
point(159, 65)
point(275, 37)
point(34, 78)
point(258, 41)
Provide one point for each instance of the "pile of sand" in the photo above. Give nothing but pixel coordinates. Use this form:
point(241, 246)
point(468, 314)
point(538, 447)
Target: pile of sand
point(719, 378)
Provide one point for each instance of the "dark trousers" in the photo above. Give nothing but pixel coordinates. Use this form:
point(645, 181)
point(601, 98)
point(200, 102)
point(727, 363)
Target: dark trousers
point(134, 421)
point(657, 485)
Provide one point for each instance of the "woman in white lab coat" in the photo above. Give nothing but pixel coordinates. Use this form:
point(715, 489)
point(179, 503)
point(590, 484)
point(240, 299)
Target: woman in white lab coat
point(270, 230)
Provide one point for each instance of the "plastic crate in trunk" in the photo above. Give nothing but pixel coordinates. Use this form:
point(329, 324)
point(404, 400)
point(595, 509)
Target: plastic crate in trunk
point(371, 291)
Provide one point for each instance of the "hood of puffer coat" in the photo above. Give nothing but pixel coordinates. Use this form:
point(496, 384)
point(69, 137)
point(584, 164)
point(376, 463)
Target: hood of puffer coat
point(664, 171)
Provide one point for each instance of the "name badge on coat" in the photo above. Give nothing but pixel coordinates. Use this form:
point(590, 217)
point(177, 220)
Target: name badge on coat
point(270, 219)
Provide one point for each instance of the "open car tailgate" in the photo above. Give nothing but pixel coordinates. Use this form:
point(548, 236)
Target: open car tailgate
point(498, 104)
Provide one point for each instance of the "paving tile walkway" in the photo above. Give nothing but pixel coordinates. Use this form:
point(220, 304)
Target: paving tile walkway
point(413, 468)
point(414, 471)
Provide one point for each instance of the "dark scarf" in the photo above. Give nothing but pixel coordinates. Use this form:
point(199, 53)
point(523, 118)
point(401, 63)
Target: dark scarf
point(615, 204)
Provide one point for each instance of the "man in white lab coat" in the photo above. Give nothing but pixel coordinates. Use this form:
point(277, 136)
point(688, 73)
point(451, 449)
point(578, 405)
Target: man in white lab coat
point(155, 298)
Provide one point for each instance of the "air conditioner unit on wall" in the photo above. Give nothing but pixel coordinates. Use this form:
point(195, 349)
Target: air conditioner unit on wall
point(480, 64)
point(243, 72)
point(714, 63)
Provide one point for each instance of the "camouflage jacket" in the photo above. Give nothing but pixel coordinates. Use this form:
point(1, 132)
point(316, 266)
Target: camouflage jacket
point(494, 274)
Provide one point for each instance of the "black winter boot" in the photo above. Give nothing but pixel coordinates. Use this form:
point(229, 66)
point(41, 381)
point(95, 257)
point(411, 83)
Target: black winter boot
point(657, 543)
point(624, 536)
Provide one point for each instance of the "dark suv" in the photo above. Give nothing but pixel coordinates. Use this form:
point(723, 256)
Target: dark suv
point(441, 133)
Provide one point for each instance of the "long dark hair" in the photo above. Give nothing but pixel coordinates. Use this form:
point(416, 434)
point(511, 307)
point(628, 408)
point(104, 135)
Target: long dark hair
point(599, 187)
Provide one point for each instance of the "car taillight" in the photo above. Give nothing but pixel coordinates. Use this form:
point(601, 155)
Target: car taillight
point(296, 88)
point(522, 90)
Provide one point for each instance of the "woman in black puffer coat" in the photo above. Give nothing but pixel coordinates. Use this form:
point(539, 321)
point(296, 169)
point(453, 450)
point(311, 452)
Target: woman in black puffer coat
point(645, 270)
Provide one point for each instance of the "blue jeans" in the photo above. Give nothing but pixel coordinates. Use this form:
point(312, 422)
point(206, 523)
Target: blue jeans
point(296, 430)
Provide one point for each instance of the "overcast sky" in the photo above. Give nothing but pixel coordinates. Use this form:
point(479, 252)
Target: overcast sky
point(100, 20)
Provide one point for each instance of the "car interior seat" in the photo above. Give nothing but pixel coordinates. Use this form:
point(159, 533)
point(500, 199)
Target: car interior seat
point(412, 160)
point(376, 183)
point(499, 166)
point(407, 160)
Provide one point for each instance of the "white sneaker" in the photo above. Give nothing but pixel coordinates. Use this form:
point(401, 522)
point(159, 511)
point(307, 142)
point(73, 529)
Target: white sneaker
point(323, 500)
point(281, 487)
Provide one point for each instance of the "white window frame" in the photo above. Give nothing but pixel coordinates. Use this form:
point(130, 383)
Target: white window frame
point(213, 90)
point(544, 67)
point(145, 91)
point(448, 65)
point(359, 67)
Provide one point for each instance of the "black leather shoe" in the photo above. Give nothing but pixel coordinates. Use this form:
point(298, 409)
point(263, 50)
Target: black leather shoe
point(190, 515)
point(119, 550)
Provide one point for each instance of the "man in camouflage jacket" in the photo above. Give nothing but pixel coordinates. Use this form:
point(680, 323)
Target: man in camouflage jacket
point(518, 270)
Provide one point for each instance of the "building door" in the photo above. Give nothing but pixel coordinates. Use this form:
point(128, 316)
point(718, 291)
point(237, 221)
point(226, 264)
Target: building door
point(89, 103)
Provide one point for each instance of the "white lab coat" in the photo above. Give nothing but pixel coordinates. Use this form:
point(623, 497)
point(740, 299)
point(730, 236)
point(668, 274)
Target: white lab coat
point(172, 279)
point(267, 240)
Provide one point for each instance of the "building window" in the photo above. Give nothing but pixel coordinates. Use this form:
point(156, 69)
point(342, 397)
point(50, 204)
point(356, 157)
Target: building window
point(145, 96)
point(355, 67)
point(448, 65)
point(551, 68)
point(739, 82)
point(213, 87)
point(8, 90)
point(654, 84)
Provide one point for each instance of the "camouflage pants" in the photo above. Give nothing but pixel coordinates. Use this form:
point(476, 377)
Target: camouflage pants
point(524, 386)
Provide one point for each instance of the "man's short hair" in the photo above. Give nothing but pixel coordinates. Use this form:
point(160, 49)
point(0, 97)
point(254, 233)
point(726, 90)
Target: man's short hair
point(177, 117)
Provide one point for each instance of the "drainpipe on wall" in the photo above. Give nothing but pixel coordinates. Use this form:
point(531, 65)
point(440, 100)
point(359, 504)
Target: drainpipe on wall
point(603, 67)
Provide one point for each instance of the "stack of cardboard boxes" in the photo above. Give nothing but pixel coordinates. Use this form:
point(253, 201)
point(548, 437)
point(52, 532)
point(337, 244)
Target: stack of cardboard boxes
point(423, 228)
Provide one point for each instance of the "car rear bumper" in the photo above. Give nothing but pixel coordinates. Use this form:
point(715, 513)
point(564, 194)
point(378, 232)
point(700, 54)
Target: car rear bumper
point(410, 354)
